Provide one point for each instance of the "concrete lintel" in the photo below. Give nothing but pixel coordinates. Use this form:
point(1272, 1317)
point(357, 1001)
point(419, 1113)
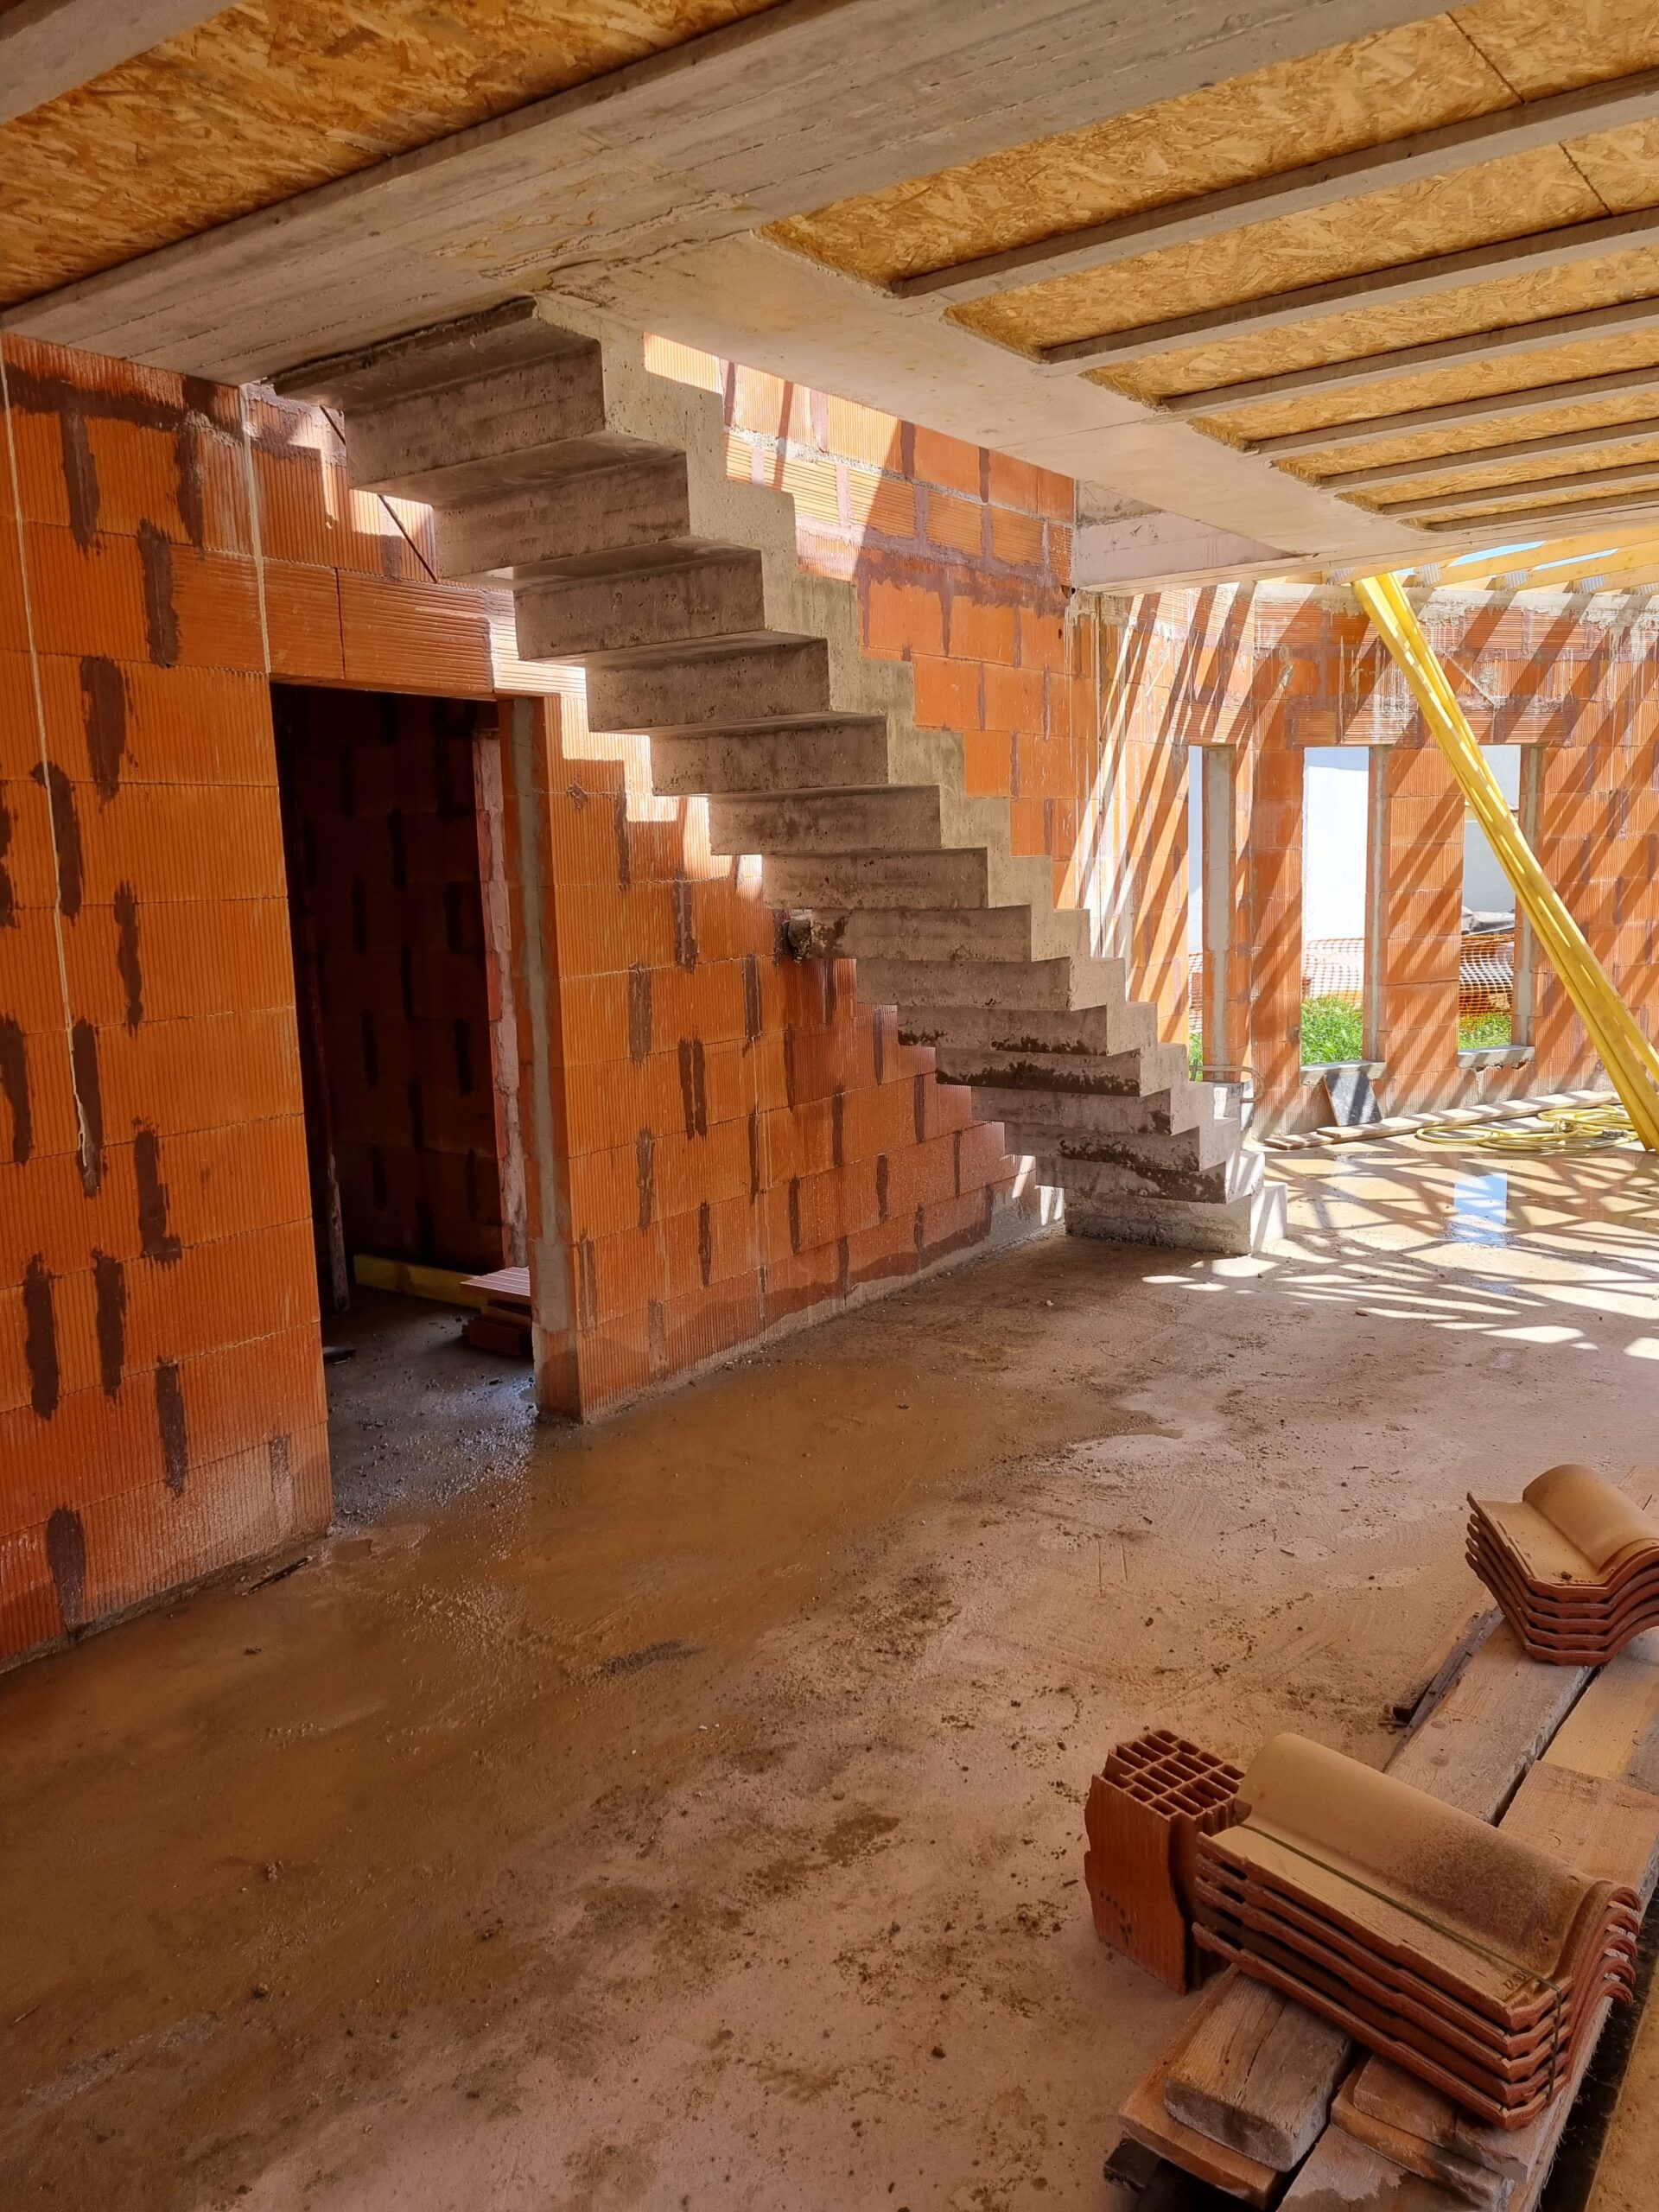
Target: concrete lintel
point(1150, 550)
point(50, 47)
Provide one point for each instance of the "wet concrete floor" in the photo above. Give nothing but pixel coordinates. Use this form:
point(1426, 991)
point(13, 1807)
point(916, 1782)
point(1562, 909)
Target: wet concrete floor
point(686, 1812)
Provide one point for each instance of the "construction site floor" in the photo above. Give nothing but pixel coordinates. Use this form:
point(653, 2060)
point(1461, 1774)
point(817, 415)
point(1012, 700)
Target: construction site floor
point(686, 1812)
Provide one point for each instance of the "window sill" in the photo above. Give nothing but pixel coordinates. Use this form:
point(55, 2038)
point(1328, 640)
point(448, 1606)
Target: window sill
point(1314, 1072)
point(1496, 1055)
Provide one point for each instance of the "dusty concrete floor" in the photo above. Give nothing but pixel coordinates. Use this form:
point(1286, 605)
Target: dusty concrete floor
point(686, 1812)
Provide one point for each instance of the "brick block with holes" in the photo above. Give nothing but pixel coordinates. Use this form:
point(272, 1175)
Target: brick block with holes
point(1155, 1796)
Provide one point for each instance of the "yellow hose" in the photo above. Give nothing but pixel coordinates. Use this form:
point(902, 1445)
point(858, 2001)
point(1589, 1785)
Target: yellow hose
point(1631, 1063)
point(1552, 1131)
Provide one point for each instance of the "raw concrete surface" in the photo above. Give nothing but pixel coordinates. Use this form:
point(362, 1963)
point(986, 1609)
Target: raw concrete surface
point(688, 1811)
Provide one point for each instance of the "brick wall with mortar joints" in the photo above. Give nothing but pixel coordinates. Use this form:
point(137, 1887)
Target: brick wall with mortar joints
point(162, 1412)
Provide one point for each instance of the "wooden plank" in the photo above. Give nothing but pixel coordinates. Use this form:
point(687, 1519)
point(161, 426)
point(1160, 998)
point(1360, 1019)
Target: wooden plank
point(1343, 2176)
point(1589, 439)
point(1488, 1728)
point(1496, 407)
point(1639, 506)
point(1146, 2116)
point(1256, 2073)
point(443, 1285)
point(1431, 1685)
point(1613, 1730)
point(1319, 184)
point(1420, 2153)
point(1583, 480)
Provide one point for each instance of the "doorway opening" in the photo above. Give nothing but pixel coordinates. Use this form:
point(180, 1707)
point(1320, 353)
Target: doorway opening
point(1335, 832)
point(1486, 964)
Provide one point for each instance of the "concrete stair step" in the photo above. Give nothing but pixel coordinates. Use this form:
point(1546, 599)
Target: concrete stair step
point(950, 933)
point(496, 341)
point(899, 819)
point(1061, 1118)
point(1134, 1074)
point(919, 881)
point(639, 510)
point(1117, 1024)
point(1054, 986)
point(637, 614)
point(1141, 1172)
point(1197, 1150)
point(1247, 1220)
point(787, 681)
point(800, 757)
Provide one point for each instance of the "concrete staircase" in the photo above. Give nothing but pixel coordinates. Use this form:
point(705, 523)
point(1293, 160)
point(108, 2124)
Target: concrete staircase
point(598, 492)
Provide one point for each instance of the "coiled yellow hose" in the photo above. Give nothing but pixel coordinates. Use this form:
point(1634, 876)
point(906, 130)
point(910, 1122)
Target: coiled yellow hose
point(1554, 1130)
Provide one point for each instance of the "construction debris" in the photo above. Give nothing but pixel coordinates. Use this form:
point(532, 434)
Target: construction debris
point(1575, 1565)
point(502, 1323)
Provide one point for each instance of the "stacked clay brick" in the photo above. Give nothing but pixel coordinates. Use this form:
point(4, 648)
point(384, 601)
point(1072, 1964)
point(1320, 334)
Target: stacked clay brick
point(1471, 1960)
point(1157, 1794)
point(1575, 1565)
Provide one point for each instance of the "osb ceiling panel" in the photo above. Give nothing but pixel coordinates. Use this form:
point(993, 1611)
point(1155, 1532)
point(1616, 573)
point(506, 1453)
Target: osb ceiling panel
point(1527, 191)
point(1514, 473)
point(1471, 379)
point(1467, 438)
point(1350, 97)
point(275, 96)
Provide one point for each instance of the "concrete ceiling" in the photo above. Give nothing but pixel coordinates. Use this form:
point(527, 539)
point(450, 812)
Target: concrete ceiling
point(1288, 283)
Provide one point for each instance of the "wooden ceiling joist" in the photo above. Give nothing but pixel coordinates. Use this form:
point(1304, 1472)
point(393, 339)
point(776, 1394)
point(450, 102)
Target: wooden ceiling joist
point(1632, 506)
point(1479, 498)
point(1381, 288)
point(1611, 435)
point(1492, 407)
point(1513, 343)
point(1522, 128)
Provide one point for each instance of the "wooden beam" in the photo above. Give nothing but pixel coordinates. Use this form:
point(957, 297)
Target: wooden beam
point(1547, 571)
point(1446, 464)
point(1639, 506)
point(1584, 480)
point(1513, 342)
point(1537, 399)
point(48, 47)
point(1521, 129)
point(1381, 288)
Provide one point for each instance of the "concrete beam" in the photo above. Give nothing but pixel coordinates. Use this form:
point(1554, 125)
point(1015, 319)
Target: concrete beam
point(48, 47)
point(1520, 129)
point(1144, 551)
point(1380, 287)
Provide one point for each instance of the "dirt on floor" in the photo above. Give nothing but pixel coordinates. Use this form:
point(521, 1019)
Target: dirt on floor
point(686, 1812)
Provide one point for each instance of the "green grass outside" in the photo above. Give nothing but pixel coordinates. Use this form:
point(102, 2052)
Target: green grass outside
point(1478, 1031)
point(1332, 1029)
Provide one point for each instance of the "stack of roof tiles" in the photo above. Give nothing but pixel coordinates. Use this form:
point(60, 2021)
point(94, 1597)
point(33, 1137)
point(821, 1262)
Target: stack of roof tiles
point(1473, 1961)
point(1575, 1565)
point(1156, 1795)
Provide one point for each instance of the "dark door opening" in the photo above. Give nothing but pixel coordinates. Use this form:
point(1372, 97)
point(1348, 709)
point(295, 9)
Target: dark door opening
point(399, 975)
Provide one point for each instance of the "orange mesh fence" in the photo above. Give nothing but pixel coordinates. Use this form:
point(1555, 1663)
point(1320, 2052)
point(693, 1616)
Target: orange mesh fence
point(1334, 968)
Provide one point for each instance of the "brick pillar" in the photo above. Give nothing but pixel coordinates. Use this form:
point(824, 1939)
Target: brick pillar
point(1418, 910)
point(1273, 934)
point(529, 770)
point(1568, 812)
point(1227, 947)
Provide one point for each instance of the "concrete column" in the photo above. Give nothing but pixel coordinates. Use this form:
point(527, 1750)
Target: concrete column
point(529, 767)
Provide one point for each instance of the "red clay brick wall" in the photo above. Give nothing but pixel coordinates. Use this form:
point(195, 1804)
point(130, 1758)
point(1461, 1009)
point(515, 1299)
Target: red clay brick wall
point(384, 870)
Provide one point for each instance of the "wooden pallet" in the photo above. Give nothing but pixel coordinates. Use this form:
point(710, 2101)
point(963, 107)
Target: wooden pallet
point(1571, 1768)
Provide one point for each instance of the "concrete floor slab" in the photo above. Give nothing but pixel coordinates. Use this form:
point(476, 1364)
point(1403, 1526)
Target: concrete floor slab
point(688, 1811)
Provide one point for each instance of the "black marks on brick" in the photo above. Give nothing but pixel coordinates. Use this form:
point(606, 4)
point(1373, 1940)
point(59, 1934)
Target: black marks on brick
point(916, 1237)
point(881, 1178)
point(417, 1115)
point(794, 1213)
point(705, 1244)
point(837, 1125)
point(395, 839)
point(624, 850)
point(80, 474)
point(831, 993)
point(789, 1069)
point(66, 1562)
point(156, 1241)
point(8, 894)
point(89, 1105)
point(587, 1284)
point(110, 1294)
point(406, 980)
point(694, 1087)
point(956, 1158)
point(14, 1089)
point(879, 1042)
point(104, 712)
point(371, 1050)
point(685, 924)
point(644, 1169)
point(170, 1421)
point(752, 1017)
point(128, 963)
point(639, 1012)
point(66, 834)
point(40, 1340)
point(161, 616)
point(754, 1154)
point(466, 1072)
point(843, 1267)
point(918, 1108)
point(359, 915)
point(189, 477)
